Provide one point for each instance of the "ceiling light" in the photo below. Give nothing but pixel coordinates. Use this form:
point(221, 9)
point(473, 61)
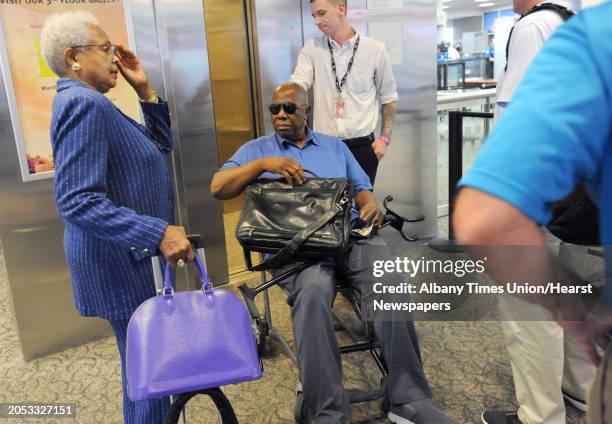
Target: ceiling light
point(480, 1)
point(444, 7)
point(486, 4)
point(446, 1)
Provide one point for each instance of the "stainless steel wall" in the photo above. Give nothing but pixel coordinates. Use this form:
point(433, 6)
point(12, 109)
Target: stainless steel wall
point(186, 76)
point(170, 38)
point(409, 171)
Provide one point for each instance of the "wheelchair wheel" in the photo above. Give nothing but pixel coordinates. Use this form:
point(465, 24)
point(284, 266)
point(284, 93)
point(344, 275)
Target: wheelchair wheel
point(297, 411)
point(261, 334)
point(384, 404)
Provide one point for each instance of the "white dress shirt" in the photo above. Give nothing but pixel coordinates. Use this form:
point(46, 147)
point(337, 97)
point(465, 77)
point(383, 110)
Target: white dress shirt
point(528, 37)
point(369, 84)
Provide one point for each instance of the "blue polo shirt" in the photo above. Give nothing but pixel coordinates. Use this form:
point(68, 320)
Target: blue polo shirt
point(325, 155)
point(557, 131)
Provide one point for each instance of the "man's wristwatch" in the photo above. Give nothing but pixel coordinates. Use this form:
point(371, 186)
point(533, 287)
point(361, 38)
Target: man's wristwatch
point(385, 139)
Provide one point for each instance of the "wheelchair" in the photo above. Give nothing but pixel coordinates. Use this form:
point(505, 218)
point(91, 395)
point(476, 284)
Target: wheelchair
point(364, 339)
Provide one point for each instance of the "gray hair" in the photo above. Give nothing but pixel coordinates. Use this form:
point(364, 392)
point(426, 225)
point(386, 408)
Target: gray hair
point(61, 31)
point(302, 95)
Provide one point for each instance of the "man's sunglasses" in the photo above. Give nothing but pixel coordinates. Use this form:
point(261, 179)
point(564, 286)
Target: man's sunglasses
point(288, 107)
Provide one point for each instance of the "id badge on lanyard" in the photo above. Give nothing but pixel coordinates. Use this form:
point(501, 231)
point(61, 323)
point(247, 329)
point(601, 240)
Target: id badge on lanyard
point(339, 107)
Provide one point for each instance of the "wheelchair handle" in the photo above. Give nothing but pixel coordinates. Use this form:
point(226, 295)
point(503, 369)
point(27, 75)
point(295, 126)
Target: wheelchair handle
point(197, 240)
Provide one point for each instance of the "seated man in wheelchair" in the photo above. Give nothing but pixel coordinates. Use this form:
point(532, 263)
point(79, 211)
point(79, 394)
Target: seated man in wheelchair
point(311, 291)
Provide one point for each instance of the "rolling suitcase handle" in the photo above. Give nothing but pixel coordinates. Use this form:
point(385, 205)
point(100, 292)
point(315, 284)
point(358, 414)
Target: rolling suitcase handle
point(198, 243)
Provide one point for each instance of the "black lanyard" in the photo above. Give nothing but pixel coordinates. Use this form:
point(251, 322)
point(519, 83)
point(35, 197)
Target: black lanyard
point(340, 84)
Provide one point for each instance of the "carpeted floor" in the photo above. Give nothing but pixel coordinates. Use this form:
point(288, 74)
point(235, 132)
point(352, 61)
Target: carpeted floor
point(465, 362)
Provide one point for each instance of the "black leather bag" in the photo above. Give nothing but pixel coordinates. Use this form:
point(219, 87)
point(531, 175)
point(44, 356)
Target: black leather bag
point(306, 221)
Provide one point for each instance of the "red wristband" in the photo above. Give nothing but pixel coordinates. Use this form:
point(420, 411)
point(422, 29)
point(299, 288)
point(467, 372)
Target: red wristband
point(385, 139)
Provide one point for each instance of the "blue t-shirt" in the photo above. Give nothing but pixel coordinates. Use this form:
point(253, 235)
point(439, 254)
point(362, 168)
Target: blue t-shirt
point(557, 131)
point(326, 156)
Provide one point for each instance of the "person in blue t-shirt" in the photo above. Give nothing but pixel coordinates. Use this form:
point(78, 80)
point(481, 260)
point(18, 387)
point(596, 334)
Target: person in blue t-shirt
point(556, 134)
point(293, 148)
point(490, 52)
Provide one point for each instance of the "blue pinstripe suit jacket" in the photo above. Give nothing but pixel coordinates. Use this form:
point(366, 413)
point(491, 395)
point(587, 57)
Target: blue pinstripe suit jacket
point(113, 189)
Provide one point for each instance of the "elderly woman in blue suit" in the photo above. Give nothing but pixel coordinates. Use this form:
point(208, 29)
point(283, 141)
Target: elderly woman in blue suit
point(113, 187)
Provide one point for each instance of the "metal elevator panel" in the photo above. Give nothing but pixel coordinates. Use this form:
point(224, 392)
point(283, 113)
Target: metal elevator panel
point(279, 38)
point(228, 53)
point(409, 170)
point(229, 71)
point(183, 47)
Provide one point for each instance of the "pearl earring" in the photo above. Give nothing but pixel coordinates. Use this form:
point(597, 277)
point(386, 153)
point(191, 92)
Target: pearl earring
point(76, 66)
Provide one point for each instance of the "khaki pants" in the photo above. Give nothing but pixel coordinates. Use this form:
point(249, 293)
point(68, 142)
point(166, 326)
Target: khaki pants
point(544, 359)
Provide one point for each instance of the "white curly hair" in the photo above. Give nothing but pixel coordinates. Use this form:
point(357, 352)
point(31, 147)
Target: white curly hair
point(61, 31)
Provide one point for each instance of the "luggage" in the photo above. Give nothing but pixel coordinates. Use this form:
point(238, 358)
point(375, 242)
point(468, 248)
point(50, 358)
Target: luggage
point(179, 343)
point(306, 221)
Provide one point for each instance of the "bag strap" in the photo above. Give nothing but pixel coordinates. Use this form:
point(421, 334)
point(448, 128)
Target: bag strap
point(291, 248)
point(218, 397)
point(207, 286)
point(563, 12)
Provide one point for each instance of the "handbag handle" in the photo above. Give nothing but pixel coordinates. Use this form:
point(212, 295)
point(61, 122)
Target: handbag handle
point(290, 249)
point(207, 287)
point(310, 172)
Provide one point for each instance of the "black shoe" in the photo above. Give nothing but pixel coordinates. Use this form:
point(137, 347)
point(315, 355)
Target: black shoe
point(577, 403)
point(500, 417)
point(418, 412)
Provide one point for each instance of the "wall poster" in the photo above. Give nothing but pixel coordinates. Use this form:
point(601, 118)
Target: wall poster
point(30, 84)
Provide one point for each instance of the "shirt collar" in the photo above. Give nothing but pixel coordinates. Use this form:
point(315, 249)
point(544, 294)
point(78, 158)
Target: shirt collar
point(310, 138)
point(64, 83)
point(348, 43)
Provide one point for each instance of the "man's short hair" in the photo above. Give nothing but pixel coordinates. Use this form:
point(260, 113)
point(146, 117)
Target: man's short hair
point(302, 95)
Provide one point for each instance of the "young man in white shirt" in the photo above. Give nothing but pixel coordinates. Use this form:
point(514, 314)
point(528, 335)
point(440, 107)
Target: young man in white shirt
point(547, 365)
point(352, 84)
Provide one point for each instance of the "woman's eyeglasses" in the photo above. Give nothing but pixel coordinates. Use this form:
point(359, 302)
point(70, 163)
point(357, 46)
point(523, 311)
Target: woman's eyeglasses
point(288, 107)
point(109, 48)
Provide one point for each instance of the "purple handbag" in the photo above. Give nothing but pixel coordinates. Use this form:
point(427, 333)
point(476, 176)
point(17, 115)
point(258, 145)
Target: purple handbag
point(187, 341)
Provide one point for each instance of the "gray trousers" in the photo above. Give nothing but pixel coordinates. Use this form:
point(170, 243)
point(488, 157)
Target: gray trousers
point(310, 295)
